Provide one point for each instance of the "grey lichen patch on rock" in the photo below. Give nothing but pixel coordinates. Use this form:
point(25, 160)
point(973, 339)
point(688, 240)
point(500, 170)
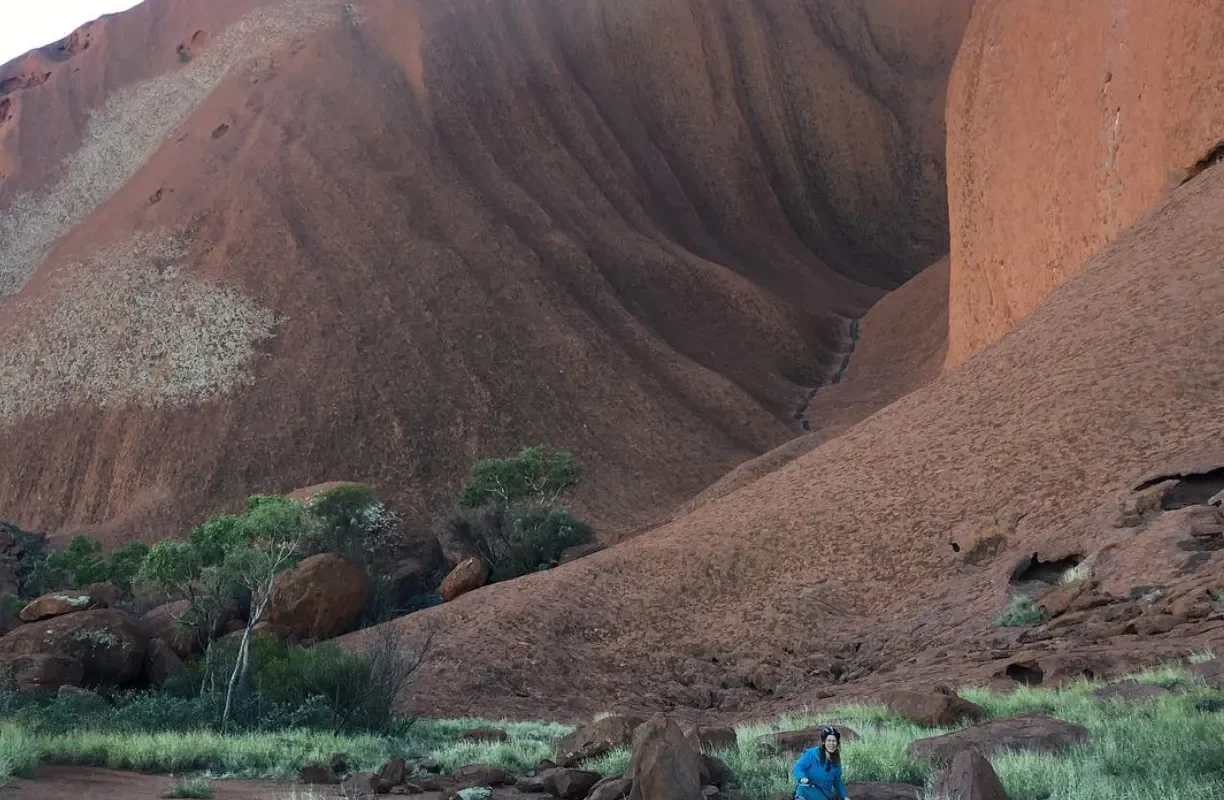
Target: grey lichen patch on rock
point(134, 123)
point(129, 327)
point(98, 637)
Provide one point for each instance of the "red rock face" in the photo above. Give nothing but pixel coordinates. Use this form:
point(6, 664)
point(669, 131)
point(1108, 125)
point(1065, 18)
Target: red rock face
point(1067, 119)
point(381, 240)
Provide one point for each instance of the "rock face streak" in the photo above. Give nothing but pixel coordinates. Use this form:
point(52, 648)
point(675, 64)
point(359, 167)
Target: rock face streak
point(287, 242)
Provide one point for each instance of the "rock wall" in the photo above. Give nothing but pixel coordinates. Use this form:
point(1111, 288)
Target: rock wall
point(1067, 119)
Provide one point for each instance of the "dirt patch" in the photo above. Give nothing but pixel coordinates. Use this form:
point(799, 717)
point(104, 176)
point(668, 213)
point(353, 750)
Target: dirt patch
point(87, 783)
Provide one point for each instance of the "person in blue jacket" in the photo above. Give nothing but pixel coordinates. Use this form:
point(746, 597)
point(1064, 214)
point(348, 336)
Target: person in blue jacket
point(818, 771)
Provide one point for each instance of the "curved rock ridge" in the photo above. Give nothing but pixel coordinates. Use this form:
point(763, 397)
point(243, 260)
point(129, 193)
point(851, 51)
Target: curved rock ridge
point(414, 234)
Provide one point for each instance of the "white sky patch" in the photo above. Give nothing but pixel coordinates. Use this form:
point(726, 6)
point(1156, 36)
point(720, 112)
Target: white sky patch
point(25, 26)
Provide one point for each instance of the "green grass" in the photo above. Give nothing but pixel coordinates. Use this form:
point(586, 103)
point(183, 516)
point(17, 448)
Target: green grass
point(198, 787)
point(1022, 611)
point(1163, 748)
point(257, 755)
point(528, 745)
point(19, 752)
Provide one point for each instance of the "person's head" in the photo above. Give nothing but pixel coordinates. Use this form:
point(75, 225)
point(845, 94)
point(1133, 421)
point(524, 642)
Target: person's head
point(830, 744)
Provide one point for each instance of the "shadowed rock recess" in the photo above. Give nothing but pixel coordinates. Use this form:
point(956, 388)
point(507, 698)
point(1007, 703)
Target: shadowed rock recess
point(284, 242)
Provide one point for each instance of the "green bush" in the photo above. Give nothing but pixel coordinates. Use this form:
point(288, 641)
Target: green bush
point(197, 787)
point(124, 565)
point(321, 688)
point(527, 477)
point(81, 564)
point(1022, 611)
point(508, 513)
point(517, 540)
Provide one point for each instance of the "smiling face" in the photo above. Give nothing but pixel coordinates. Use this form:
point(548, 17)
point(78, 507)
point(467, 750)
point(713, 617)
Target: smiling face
point(831, 743)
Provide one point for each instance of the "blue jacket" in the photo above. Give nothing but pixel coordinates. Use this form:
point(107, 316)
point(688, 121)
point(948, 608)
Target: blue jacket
point(826, 779)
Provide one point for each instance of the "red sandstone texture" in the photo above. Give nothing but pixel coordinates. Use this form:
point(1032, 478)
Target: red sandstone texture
point(834, 576)
point(274, 244)
point(1066, 120)
point(901, 347)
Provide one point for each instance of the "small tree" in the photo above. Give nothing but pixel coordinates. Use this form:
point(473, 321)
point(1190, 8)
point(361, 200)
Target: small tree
point(247, 552)
point(529, 477)
point(509, 514)
point(273, 528)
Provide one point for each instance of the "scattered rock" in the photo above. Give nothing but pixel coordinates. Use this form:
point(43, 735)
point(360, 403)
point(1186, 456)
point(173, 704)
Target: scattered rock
point(611, 789)
point(57, 604)
point(480, 775)
point(109, 644)
point(1033, 732)
point(938, 708)
point(596, 738)
point(46, 672)
point(393, 773)
point(664, 765)
point(486, 735)
point(969, 777)
point(793, 743)
point(533, 784)
point(319, 598)
point(362, 786)
point(570, 784)
point(881, 791)
point(105, 594)
point(468, 576)
point(318, 773)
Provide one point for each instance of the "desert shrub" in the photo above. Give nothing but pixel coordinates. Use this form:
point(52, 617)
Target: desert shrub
point(197, 787)
point(527, 477)
point(322, 688)
point(1022, 611)
point(124, 565)
point(346, 691)
point(81, 563)
point(509, 515)
point(517, 540)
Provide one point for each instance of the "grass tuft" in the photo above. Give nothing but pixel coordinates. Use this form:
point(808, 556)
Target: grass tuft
point(1022, 611)
point(198, 787)
point(19, 752)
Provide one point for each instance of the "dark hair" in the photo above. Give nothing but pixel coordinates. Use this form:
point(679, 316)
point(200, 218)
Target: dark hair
point(825, 757)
